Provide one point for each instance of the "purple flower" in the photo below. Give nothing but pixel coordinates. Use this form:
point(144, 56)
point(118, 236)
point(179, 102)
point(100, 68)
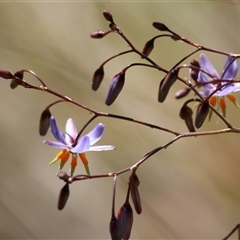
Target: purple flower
point(220, 88)
point(67, 143)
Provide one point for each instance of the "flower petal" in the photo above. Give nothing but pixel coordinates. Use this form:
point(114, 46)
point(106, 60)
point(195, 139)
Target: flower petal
point(102, 148)
point(55, 144)
point(83, 145)
point(225, 90)
point(71, 131)
point(59, 136)
point(96, 134)
point(231, 70)
point(207, 66)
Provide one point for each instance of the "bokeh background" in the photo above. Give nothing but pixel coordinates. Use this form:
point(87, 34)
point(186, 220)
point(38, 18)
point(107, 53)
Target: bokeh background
point(191, 190)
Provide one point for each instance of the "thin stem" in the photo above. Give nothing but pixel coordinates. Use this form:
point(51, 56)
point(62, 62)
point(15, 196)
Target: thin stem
point(114, 195)
point(231, 233)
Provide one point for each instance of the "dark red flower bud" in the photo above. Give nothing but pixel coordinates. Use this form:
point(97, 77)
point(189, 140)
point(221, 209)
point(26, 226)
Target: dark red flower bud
point(160, 26)
point(115, 229)
point(125, 218)
point(115, 87)
point(97, 78)
point(14, 83)
point(5, 74)
point(166, 84)
point(148, 47)
point(44, 122)
point(63, 196)
point(186, 114)
point(182, 93)
point(201, 114)
point(97, 34)
point(134, 180)
point(194, 70)
point(108, 16)
point(136, 199)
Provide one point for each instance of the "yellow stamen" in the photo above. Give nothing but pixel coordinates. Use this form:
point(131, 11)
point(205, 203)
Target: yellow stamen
point(64, 154)
point(64, 159)
point(85, 162)
point(222, 104)
point(213, 101)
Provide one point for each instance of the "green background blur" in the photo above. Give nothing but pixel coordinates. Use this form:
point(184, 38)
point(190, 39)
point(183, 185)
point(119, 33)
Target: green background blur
point(189, 191)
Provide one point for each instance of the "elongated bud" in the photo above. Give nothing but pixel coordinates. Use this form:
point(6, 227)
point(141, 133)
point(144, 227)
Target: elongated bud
point(136, 199)
point(160, 26)
point(97, 78)
point(186, 114)
point(44, 122)
point(201, 114)
point(108, 16)
point(14, 83)
point(63, 196)
point(5, 74)
point(148, 47)
point(194, 71)
point(166, 84)
point(115, 229)
point(97, 34)
point(115, 87)
point(134, 180)
point(182, 93)
point(125, 218)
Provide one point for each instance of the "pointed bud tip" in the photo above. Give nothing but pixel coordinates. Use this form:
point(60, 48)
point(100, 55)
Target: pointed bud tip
point(148, 47)
point(97, 78)
point(125, 218)
point(63, 196)
point(201, 114)
point(108, 16)
point(5, 74)
point(160, 26)
point(115, 88)
point(44, 122)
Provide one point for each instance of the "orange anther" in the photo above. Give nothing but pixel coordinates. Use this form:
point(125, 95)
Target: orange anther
point(231, 98)
point(222, 103)
point(213, 101)
point(83, 158)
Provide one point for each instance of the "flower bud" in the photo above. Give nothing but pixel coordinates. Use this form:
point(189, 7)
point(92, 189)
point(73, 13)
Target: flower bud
point(63, 196)
point(125, 218)
point(44, 122)
point(5, 74)
point(97, 78)
point(134, 180)
point(186, 114)
point(115, 87)
point(136, 199)
point(160, 26)
point(115, 229)
point(194, 71)
point(183, 92)
point(148, 47)
point(166, 84)
point(97, 34)
point(108, 16)
point(201, 114)
point(14, 83)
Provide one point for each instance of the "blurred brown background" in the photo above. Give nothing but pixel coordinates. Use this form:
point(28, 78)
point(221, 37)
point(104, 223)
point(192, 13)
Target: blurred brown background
point(189, 191)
